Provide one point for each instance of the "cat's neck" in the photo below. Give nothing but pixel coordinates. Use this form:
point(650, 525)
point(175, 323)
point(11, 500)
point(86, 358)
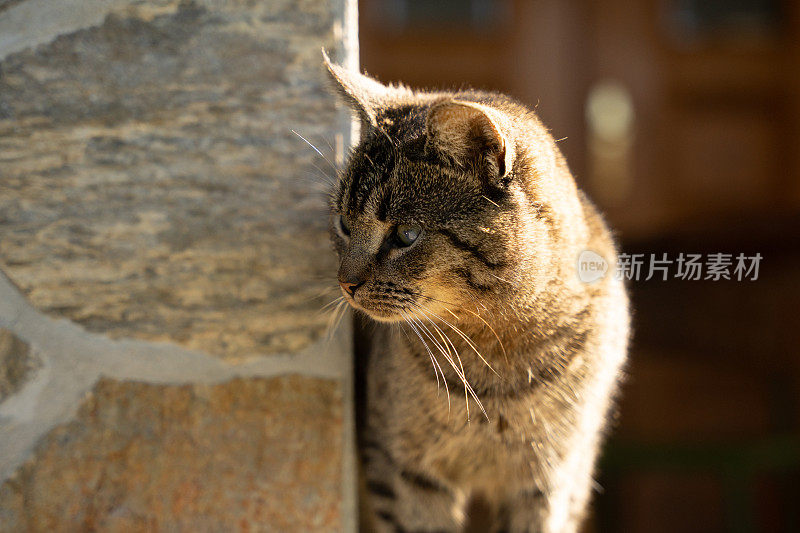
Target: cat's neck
point(495, 351)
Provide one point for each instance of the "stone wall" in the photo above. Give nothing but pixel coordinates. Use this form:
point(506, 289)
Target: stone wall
point(164, 364)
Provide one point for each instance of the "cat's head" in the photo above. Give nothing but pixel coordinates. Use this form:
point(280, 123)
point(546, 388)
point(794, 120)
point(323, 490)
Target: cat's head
point(433, 212)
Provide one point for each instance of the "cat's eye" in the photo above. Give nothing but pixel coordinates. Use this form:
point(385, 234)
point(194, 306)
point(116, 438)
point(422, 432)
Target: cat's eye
point(343, 225)
point(407, 233)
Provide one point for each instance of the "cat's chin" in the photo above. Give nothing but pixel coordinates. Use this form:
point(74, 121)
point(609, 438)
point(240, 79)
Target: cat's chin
point(378, 314)
point(386, 318)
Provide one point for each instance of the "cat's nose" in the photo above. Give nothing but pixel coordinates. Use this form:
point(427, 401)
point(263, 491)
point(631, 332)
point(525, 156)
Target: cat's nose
point(351, 285)
point(354, 271)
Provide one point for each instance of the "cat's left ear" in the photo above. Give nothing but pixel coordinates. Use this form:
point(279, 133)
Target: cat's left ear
point(471, 134)
point(361, 93)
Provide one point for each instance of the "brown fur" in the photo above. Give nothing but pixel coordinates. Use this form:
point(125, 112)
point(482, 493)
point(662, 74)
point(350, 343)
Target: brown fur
point(506, 432)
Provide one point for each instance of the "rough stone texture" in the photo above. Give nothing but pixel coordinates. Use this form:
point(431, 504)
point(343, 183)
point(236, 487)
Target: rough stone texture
point(151, 189)
point(150, 185)
point(246, 455)
point(5, 4)
point(16, 363)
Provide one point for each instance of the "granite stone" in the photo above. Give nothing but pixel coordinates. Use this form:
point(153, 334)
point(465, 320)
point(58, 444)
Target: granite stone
point(245, 455)
point(16, 363)
point(150, 182)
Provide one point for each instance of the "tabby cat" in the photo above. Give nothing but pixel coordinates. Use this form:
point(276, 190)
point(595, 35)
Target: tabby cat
point(490, 366)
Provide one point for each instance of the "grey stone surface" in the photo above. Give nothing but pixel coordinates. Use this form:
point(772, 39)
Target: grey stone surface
point(73, 361)
point(28, 23)
point(5, 4)
point(16, 363)
point(150, 185)
point(155, 204)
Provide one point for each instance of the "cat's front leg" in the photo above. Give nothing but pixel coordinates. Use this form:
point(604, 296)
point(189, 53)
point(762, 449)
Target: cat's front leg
point(523, 513)
point(401, 499)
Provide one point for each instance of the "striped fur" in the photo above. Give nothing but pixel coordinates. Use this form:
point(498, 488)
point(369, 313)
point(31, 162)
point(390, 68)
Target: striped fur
point(486, 369)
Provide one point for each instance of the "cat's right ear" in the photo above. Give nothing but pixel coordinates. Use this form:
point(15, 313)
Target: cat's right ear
point(361, 93)
point(468, 133)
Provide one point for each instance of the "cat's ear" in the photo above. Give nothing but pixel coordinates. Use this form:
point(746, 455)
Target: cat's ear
point(471, 134)
point(361, 93)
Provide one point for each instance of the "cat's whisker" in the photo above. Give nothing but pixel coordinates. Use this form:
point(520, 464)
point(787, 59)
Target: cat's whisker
point(334, 312)
point(477, 302)
point(321, 175)
point(490, 201)
point(332, 302)
point(460, 364)
point(414, 329)
point(335, 319)
point(329, 179)
point(319, 188)
point(319, 294)
point(341, 316)
point(333, 150)
point(316, 150)
point(496, 336)
point(449, 359)
point(445, 339)
point(499, 278)
point(462, 376)
point(476, 315)
point(417, 326)
point(435, 342)
point(462, 335)
point(314, 184)
point(435, 362)
point(331, 310)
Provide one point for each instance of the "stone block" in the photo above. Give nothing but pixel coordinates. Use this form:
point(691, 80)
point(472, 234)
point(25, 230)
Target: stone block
point(150, 182)
point(162, 363)
point(246, 455)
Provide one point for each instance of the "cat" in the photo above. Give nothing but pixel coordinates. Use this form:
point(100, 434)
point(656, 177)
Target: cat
point(489, 368)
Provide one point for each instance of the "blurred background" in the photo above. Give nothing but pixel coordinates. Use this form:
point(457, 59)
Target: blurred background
point(681, 118)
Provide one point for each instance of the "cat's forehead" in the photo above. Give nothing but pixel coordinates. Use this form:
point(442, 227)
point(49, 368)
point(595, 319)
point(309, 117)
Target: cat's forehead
point(400, 185)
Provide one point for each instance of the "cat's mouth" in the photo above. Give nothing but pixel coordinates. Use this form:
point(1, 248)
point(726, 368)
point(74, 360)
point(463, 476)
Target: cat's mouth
point(382, 307)
point(380, 311)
